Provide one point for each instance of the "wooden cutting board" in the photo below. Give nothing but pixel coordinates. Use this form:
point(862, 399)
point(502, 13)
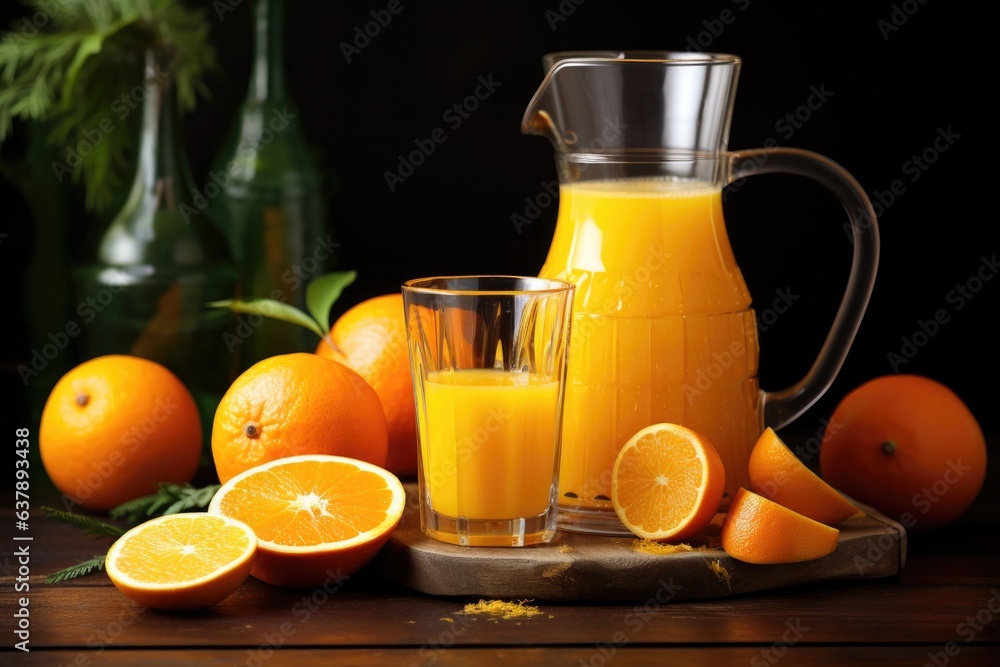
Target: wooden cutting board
point(586, 567)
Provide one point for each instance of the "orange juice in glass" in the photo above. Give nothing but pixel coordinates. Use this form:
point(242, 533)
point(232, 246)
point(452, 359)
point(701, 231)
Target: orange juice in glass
point(488, 358)
point(662, 327)
point(491, 433)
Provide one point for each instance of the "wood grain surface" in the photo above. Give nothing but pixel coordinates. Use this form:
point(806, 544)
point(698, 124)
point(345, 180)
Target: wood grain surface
point(942, 607)
point(577, 567)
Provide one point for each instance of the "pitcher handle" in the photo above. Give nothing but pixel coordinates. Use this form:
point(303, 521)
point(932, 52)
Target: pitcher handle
point(784, 406)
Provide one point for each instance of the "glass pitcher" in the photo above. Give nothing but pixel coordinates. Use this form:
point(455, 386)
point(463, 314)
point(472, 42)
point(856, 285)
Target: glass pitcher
point(663, 328)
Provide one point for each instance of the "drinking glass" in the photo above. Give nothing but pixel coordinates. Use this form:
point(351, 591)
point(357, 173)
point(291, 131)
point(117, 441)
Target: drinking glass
point(488, 359)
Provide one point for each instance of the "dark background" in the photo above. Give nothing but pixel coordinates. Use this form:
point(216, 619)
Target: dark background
point(892, 88)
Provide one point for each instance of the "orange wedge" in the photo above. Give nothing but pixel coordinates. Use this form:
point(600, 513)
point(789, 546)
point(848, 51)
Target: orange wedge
point(667, 482)
point(318, 518)
point(758, 530)
point(182, 561)
point(778, 474)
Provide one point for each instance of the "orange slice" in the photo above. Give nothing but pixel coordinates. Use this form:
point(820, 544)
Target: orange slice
point(778, 474)
point(318, 518)
point(758, 530)
point(667, 482)
point(182, 561)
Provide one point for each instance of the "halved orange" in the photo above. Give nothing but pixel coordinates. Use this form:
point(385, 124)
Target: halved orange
point(667, 482)
point(182, 561)
point(758, 530)
point(318, 518)
point(779, 475)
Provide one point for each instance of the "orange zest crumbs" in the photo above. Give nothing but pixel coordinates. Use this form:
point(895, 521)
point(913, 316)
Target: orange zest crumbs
point(662, 548)
point(501, 608)
point(722, 574)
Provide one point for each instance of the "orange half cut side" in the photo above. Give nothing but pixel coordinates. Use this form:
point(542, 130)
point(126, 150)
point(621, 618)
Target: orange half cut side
point(667, 482)
point(317, 517)
point(182, 561)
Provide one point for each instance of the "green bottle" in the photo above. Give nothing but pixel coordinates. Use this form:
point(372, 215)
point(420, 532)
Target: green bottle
point(271, 203)
point(149, 274)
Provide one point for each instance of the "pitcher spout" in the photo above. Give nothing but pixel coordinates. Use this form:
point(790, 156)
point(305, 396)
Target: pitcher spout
point(634, 106)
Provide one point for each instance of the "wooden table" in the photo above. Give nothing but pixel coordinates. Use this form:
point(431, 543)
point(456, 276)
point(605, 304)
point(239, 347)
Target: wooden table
point(943, 609)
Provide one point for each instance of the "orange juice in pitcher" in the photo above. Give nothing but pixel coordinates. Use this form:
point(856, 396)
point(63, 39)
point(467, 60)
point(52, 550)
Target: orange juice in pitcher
point(663, 327)
point(661, 317)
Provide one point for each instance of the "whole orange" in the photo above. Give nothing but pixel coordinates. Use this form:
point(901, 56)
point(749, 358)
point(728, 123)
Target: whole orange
point(370, 338)
point(908, 446)
point(292, 404)
point(116, 426)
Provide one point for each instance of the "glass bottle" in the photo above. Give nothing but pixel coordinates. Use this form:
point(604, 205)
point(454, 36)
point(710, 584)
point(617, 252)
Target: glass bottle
point(144, 287)
point(271, 203)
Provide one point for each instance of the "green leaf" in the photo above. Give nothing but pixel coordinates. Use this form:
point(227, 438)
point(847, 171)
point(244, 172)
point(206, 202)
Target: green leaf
point(89, 45)
point(95, 564)
point(192, 498)
point(170, 498)
point(272, 308)
point(323, 291)
point(88, 54)
point(133, 511)
point(92, 526)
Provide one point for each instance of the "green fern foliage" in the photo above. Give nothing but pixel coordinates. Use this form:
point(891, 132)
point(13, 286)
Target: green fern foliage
point(79, 67)
point(95, 564)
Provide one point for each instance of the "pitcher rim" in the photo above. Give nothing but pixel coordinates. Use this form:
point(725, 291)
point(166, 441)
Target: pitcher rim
point(557, 61)
point(667, 57)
